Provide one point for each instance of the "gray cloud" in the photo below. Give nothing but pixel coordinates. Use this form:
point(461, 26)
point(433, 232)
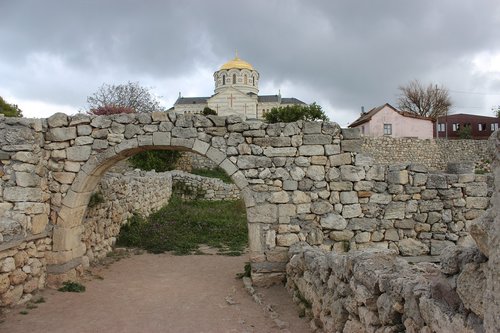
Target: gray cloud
point(349, 53)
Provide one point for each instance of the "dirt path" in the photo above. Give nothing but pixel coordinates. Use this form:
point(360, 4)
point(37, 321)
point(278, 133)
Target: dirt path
point(161, 293)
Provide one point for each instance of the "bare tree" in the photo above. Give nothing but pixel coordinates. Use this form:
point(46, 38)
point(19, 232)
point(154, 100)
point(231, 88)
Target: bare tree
point(431, 101)
point(128, 96)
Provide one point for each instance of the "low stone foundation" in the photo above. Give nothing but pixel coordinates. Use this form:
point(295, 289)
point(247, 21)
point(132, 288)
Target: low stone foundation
point(377, 291)
point(190, 186)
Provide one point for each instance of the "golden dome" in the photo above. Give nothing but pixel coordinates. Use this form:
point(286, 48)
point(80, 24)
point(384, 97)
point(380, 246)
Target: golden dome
point(237, 63)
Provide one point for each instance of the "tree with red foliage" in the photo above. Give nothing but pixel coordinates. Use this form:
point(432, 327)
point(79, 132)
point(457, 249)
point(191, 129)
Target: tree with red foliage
point(123, 98)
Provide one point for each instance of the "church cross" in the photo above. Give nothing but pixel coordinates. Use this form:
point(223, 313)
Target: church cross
point(231, 99)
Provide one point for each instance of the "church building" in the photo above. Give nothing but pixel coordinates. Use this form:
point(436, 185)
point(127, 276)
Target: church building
point(236, 92)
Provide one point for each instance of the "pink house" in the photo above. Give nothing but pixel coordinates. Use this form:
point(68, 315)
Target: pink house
point(386, 120)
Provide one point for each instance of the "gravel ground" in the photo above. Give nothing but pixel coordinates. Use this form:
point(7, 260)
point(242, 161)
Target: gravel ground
point(162, 293)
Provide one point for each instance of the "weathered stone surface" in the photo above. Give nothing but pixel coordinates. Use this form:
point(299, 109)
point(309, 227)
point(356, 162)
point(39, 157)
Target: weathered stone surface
point(262, 214)
point(79, 153)
point(321, 207)
point(352, 173)
point(412, 247)
point(333, 221)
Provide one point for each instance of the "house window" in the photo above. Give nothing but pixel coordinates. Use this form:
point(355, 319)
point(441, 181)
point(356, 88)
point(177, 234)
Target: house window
point(441, 127)
point(481, 127)
point(494, 127)
point(455, 127)
point(234, 78)
point(387, 129)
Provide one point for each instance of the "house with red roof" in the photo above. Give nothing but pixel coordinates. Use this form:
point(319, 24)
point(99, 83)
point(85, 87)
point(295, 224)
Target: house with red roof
point(386, 120)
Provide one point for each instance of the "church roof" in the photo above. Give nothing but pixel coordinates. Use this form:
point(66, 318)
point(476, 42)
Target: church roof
point(192, 100)
point(275, 99)
point(237, 63)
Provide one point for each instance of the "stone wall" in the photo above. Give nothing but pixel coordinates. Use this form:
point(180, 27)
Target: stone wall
point(121, 195)
point(375, 291)
point(189, 161)
point(191, 186)
point(434, 154)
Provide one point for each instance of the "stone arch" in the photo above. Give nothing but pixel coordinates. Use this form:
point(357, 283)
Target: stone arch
point(67, 245)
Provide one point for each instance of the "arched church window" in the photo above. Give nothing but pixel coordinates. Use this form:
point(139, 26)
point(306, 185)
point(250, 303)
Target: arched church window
point(253, 81)
point(234, 78)
point(223, 79)
point(245, 79)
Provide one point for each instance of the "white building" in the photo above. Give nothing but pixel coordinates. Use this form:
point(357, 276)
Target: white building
point(236, 92)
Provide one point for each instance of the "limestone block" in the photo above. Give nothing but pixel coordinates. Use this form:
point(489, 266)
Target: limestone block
point(341, 186)
point(317, 139)
point(280, 152)
point(437, 246)
point(26, 179)
point(476, 189)
point(4, 283)
point(340, 159)
point(321, 207)
point(333, 174)
point(350, 211)
point(12, 296)
point(352, 173)
point(436, 181)
point(315, 172)
point(286, 239)
point(61, 134)
point(397, 177)
point(64, 177)
point(251, 162)
point(8, 265)
point(363, 224)
point(477, 202)
point(381, 198)
point(17, 277)
point(58, 120)
point(333, 221)
point(311, 127)
point(84, 140)
point(332, 149)
point(65, 239)
point(279, 197)
point(38, 223)
point(412, 247)
point(315, 236)
point(391, 235)
point(376, 172)
point(351, 145)
point(26, 157)
point(161, 139)
point(362, 237)
point(228, 167)
point(78, 153)
point(266, 213)
point(348, 197)
point(351, 133)
point(300, 197)
point(311, 150)
point(22, 194)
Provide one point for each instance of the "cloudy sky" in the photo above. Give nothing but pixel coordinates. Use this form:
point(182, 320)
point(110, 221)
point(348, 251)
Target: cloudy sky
point(340, 54)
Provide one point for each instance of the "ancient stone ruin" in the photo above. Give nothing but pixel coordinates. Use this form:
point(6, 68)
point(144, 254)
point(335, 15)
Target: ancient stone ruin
point(306, 186)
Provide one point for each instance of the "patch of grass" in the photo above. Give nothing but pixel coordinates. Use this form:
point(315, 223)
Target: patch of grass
point(73, 287)
point(39, 300)
point(213, 173)
point(95, 199)
point(247, 271)
point(31, 306)
point(182, 226)
point(23, 312)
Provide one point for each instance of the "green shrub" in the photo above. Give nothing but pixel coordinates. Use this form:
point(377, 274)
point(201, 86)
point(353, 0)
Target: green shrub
point(158, 160)
point(95, 199)
point(291, 113)
point(73, 287)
